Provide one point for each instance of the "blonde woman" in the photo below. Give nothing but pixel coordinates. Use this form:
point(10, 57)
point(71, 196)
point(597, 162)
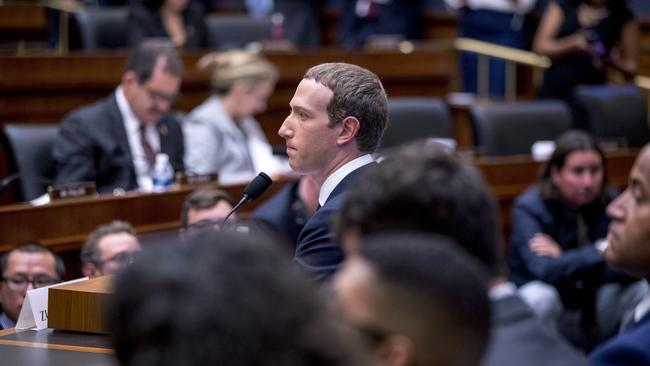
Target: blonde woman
point(221, 135)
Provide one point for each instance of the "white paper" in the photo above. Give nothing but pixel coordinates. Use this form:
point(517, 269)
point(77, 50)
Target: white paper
point(33, 314)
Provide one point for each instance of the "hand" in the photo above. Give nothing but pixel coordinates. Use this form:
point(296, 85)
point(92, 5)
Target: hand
point(579, 41)
point(544, 245)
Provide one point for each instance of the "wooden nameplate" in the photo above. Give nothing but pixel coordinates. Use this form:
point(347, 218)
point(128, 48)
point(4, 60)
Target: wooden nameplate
point(80, 306)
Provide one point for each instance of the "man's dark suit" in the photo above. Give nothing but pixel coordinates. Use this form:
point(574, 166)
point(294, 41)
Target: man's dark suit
point(317, 251)
point(629, 348)
point(285, 213)
point(92, 146)
point(518, 337)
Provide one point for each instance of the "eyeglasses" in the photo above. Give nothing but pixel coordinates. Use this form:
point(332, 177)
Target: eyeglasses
point(156, 95)
point(122, 259)
point(19, 282)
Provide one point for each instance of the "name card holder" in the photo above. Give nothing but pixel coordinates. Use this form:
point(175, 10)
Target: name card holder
point(71, 190)
point(197, 179)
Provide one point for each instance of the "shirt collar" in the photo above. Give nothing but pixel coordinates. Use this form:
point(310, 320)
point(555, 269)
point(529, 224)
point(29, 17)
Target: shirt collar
point(131, 123)
point(339, 174)
point(642, 308)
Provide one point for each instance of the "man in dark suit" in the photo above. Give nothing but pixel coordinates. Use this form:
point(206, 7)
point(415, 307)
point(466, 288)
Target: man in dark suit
point(628, 250)
point(287, 212)
point(114, 142)
point(338, 115)
point(424, 188)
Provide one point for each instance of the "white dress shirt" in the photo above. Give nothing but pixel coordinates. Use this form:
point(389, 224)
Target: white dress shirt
point(339, 174)
point(132, 127)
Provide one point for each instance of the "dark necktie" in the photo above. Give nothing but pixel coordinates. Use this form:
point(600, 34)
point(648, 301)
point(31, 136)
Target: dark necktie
point(149, 154)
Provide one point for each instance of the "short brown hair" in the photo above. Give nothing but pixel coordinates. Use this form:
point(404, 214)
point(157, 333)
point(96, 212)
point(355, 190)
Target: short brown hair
point(356, 92)
point(90, 250)
point(202, 199)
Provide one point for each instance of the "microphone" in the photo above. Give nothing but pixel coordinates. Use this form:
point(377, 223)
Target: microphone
point(254, 189)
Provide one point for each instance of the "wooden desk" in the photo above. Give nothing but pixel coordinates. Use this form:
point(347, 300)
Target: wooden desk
point(64, 225)
point(54, 348)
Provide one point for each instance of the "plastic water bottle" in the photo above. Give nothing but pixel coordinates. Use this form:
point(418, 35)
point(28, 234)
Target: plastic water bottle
point(163, 173)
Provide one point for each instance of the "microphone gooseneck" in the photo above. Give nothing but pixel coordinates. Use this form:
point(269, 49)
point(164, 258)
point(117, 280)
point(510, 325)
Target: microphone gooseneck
point(254, 189)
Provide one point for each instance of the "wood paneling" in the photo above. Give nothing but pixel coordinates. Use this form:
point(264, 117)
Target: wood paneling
point(45, 88)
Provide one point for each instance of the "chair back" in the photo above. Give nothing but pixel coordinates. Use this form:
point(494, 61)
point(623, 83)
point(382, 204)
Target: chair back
point(236, 31)
point(615, 113)
point(28, 148)
point(103, 28)
point(510, 128)
point(413, 118)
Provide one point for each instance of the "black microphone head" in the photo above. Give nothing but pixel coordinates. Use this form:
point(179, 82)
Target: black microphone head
point(257, 186)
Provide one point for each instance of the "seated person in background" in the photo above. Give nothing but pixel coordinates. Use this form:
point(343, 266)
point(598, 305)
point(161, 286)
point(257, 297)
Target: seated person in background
point(585, 39)
point(555, 225)
point(629, 240)
point(288, 210)
point(25, 267)
point(108, 249)
point(204, 207)
point(114, 141)
point(225, 299)
point(180, 21)
point(419, 299)
point(425, 188)
point(221, 135)
point(494, 21)
point(363, 19)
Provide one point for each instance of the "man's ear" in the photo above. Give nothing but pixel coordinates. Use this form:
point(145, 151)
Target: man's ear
point(90, 270)
point(129, 78)
point(397, 350)
point(349, 128)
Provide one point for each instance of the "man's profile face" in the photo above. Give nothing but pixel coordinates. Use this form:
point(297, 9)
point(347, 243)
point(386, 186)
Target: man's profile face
point(152, 99)
point(311, 143)
point(39, 267)
point(356, 296)
point(116, 251)
point(629, 230)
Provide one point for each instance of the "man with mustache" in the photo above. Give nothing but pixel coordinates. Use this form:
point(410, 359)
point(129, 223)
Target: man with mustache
point(114, 142)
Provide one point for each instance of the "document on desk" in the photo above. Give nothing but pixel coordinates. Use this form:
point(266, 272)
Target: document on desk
point(33, 314)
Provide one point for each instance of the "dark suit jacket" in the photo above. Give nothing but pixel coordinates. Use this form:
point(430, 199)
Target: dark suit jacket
point(518, 337)
point(284, 213)
point(92, 146)
point(317, 250)
point(629, 348)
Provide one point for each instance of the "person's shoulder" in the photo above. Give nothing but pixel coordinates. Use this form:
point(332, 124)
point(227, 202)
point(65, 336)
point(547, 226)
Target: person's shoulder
point(532, 196)
point(90, 114)
point(631, 347)
point(519, 337)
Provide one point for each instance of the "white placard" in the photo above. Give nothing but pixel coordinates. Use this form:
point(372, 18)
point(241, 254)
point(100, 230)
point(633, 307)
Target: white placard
point(33, 314)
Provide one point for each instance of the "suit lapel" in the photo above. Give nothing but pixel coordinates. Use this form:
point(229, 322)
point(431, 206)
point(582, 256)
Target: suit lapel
point(343, 184)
